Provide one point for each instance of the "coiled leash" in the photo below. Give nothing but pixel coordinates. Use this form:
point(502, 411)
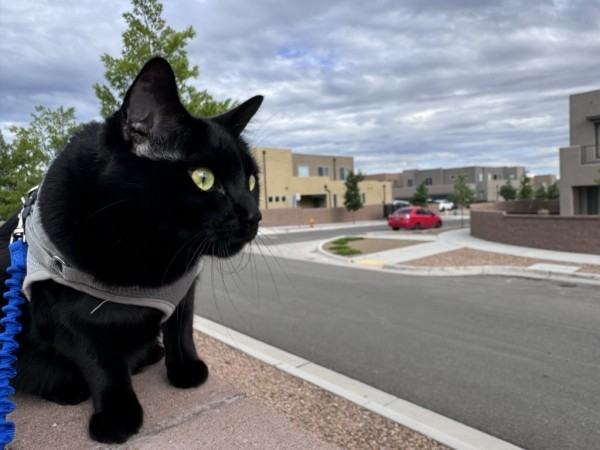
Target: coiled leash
point(10, 323)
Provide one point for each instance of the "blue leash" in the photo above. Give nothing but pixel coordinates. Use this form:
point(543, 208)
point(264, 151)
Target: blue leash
point(17, 270)
point(14, 298)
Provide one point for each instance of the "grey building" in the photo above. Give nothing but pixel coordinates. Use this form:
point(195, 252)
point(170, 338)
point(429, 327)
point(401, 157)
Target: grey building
point(580, 163)
point(485, 181)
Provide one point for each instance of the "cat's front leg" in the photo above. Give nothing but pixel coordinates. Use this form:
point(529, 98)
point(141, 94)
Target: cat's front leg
point(184, 368)
point(118, 414)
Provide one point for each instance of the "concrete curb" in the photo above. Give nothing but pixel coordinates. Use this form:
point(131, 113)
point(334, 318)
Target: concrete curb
point(429, 423)
point(506, 271)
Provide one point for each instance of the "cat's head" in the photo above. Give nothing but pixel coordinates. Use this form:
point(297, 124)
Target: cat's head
point(201, 179)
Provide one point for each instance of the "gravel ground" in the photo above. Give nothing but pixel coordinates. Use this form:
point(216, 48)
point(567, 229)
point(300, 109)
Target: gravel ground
point(471, 257)
point(333, 418)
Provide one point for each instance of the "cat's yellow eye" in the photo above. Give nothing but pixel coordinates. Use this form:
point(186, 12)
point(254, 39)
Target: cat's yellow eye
point(252, 182)
point(203, 178)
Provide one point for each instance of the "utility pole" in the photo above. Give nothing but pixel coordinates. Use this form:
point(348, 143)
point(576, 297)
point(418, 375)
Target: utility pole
point(265, 178)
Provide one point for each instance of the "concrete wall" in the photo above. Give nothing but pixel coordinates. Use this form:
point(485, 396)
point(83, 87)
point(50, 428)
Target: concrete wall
point(581, 107)
point(301, 216)
point(579, 234)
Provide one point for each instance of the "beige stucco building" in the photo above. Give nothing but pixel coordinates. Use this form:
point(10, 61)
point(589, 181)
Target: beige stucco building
point(289, 180)
point(579, 163)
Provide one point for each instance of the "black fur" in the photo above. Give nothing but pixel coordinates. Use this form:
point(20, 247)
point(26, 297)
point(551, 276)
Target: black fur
point(119, 203)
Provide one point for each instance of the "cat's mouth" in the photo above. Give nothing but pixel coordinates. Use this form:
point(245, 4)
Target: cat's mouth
point(229, 248)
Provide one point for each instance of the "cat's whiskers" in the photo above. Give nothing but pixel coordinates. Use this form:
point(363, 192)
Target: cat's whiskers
point(186, 245)
point(276, 257)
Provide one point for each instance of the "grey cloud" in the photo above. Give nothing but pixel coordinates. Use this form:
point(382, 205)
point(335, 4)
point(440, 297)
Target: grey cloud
point(395, 84)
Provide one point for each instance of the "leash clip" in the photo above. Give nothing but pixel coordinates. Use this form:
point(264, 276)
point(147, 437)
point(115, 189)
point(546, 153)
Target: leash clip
point(19, 232)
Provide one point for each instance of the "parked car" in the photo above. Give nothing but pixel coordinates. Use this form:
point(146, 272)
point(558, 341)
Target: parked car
point(444, 205)
point(400, 203)
point(414, 218)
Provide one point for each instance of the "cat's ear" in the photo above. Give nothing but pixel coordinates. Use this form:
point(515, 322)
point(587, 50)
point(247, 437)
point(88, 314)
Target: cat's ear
point(237, 119)
point(151, 103)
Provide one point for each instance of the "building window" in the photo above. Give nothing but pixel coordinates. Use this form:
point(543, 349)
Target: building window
point(283, 198)
point(277, 198)
point(409, 183)
point(364, 198)
point(428, 181)
point(323, 171)
point(335, 200)
point(480, 177)
point(344, 171)
point(270, 199)
point(303, 171)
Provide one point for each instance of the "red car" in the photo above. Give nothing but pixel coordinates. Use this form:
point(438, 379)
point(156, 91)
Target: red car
point(414, 218)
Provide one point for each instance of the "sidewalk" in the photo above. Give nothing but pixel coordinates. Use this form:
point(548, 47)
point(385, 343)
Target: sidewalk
point(214, 416)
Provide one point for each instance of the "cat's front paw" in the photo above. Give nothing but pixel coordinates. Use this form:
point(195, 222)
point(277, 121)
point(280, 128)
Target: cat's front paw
point(116, 425)
point(187, 374)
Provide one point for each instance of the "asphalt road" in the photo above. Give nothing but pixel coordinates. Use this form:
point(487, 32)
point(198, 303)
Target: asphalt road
point(516, 358)
point(326, 233)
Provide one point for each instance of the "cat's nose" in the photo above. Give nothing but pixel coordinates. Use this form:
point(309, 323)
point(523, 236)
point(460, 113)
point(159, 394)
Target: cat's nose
point(253, 217)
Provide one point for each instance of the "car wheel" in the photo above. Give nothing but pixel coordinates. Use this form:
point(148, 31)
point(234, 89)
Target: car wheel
point(439, 224)
point(395, 228)
point(417, 226)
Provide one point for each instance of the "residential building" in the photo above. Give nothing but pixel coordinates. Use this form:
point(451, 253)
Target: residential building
point(485, 181)
point(580, 162)
point(544, 181)
point(292, 180)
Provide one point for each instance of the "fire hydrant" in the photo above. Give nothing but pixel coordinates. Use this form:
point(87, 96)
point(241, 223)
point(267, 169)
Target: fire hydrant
point(311, 222)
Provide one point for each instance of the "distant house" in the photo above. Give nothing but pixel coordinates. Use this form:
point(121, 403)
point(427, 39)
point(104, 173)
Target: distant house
point(293, 180)
point(579, 163)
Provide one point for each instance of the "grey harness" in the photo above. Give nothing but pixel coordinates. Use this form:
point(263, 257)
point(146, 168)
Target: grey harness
point(44, 262)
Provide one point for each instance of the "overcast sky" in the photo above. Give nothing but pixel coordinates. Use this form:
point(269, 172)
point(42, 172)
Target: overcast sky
point(398, 84)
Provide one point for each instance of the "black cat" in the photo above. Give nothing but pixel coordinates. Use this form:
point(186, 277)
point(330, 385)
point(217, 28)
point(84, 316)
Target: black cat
point(122, 219)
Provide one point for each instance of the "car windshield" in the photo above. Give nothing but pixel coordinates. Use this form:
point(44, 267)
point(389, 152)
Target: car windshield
point(403, 211)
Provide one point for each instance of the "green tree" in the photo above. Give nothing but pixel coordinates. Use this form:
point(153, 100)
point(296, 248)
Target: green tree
point(25, 160)
point(421, 195)
point(148, 35)
point(541, 193)
point(553, 191)
point(352, 198)
point(462, 195)
point(508, 192)
point(6, 185)
point(525, 191)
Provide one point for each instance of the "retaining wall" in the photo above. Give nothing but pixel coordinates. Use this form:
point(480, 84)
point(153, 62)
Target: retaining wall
point(301, 216)
point(578, 234)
